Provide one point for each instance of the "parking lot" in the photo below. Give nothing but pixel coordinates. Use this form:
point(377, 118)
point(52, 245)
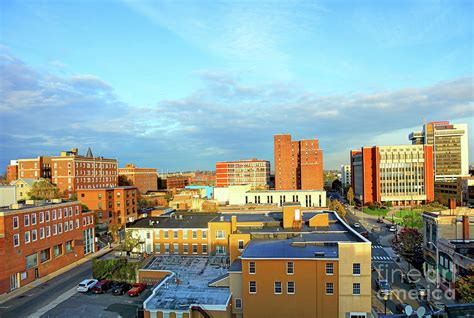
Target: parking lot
point(98, 305)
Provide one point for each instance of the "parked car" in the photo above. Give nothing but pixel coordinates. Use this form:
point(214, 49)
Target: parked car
point(356, 225)
point(120, 288)
point(384, 286)
point(379, 220)
point(421, 291)
point(102, 286)
point(136, 289)
point(393, 228)
point(86, 285)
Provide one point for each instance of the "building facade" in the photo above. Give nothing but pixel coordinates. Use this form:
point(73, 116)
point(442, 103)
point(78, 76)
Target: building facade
point(34, 168)
point(145, 179)
point(254, 172)
point(23, 187)
point(346, 175)
point(402, 175)
point(298, 164)
point(38, 240)
point(12, 171)
point(111, 205)
point(7, 195)
point(450, 148)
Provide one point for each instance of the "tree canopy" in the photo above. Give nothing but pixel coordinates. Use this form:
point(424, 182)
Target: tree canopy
point(43, 190)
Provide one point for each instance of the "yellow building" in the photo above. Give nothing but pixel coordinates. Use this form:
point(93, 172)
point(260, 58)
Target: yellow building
point(23, 187)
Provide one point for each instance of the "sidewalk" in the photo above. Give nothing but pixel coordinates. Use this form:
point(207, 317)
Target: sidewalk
point(23, 289)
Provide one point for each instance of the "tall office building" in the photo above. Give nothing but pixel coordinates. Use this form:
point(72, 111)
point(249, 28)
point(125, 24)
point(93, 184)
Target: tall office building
point(346, 175)
point(253, 171)
point(402, 175)
point(298, 164)
point(450, 148)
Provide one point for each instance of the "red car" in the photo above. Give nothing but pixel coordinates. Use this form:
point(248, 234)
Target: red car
point(136, 289)
point(101, 287)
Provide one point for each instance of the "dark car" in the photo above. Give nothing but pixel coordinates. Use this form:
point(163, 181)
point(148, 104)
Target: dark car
point(365, 234)
point(102, 286)
point(136, 289)
point(120, 288)
point(379, 221)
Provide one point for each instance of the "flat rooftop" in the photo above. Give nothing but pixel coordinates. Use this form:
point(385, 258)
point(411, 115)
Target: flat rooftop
point(175, 220)
point(190, 286)
point(37, 204)
point(289, 248)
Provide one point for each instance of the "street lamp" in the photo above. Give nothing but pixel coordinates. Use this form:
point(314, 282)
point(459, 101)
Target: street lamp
point(436, 264)
point(385, 298)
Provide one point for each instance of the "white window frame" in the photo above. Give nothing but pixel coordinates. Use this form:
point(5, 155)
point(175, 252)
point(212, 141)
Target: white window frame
point(26, 220)
point(353, 269)
point(254, 268)
point(175, 248)
point(195, 247)
point(250, 287)
point(275, 286)
point(288, 288)
point(42, 235)
point(332, 269)
point(353, 289)
point(33, 219)
point(16, 237)
point(204, 234)
point(17, 221)
point(27, 241)
point(34, 235)
point(288, 268)
point(326, 288)
point(238, 303)
point(238, 245)
point(202, 248)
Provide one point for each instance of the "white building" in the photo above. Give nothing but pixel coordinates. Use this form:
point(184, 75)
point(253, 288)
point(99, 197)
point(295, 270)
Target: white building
point(346, 175)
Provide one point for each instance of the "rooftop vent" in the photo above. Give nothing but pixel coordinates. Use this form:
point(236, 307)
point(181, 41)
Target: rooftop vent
point(319, 254)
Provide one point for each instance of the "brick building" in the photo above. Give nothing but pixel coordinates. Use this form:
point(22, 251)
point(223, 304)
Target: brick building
point(12, 171)
point(253, 171)
point(36, 240)
point(34, 168)
point(71, 171)
point(112, 205)
point(298, 164)
point(174, 182)
point(145, 179)
point(402, 175)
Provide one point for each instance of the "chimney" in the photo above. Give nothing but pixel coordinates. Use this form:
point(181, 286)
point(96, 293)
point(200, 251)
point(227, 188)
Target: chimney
point(465, 227)
point(233, 223)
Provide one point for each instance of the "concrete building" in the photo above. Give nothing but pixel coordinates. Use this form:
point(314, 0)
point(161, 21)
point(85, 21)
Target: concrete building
point(112, 205)
point(461, 190)
point(7, 195)
point(34, 168)
point(283, 264)
point(346, 175)
point(402, 175)
point(36, 240)
point(448, 244)
point(254, 172)
point(12, 171)
point(71, 171)
point(298, 164)
point(450, 148)
point(145, 179)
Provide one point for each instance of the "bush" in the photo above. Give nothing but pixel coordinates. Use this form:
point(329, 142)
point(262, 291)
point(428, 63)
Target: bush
point(114, 269)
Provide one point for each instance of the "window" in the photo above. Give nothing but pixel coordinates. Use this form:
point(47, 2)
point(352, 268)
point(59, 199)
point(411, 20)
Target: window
point(45, 255)
point(176, 248)
point(41, 217)
point(220, 234)
point(238, 303)
point(47, 216)
point(60, 214)
point(27, 237)
point(54, 215)
point(26, 220)
point(356, 289)
point(33, 219)
point(167, 248)
point(220, 250)
point(241, 245)
point(148, 235)
point(66, 227)
point(16, 240)
point(68, 246)
point(290, 270)
point(41, 233)
point(204, 234)
point(58, 250)
point(185, 234)
point(158, 248)
point(253, 287)
point(60, 228)
point(356, 269)
point(195, 248)
point(329, 288)
point(329, 268)
point(358, 315)
point(31, 261)
point(185, 248)
point(204, 248)
point(290, 287)
point(252, 268)
point(77, 223)
point(277, 287)
point(166, 234)
point(48, 231)
point(175, 234)
point(15, 222)
point(195, 234)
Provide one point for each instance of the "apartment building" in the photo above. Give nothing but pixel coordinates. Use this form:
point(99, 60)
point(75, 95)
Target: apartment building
point(298, 164)
point(401, 175)
point(145, 179)
point(36, 240)
point(283, 264)
point(112, 205)
point(174, 182)
point(252, 171)
point(450, 148)
point(71, 172)
point(34, 168)
point(346, 178)
point(12, 171)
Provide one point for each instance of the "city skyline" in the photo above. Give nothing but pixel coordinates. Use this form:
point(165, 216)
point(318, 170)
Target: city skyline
point(217, 81)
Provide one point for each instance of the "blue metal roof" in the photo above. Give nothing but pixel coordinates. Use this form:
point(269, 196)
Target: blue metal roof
point(288, 249)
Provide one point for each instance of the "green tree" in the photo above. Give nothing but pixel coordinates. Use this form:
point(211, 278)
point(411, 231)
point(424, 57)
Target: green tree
point(123, 181)
point(465, 287)
point(410, 246)
point(114, 230)
point(350, 196)
point(43, 190)
point(130, 242)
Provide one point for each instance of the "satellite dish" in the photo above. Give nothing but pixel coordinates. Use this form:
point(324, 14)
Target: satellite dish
point(408, 310)
point(420, 312)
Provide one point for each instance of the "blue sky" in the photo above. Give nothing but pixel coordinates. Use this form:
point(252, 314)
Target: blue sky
point(178, 85)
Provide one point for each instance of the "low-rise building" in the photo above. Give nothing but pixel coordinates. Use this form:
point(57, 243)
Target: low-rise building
point(173, 182)
point(36, 240)
point(7, 195)
point(23, 187)
point(112, 205)
point(12, 171)
point(241, 172)
point(145, 179)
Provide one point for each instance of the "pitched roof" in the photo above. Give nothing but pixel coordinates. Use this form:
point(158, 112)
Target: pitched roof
point(89, 153)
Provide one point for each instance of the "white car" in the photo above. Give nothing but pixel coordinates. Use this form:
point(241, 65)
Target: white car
point(393, 228)
point(356, 225)
point(86, 284)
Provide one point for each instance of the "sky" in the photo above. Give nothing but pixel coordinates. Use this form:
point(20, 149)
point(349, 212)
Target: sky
point(179, 85)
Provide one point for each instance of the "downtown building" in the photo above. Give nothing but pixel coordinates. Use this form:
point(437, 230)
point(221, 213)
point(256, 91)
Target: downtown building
point(401, 175)
point(346, 175)
point(298, 164)
point(39, 238)
point(145, 179)
point(242, 172)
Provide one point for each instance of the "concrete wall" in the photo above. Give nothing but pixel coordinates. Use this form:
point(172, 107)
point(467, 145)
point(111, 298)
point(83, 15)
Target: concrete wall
point(7, 195)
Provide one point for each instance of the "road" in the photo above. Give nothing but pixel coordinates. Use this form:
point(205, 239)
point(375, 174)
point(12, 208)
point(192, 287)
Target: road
point(40, 296)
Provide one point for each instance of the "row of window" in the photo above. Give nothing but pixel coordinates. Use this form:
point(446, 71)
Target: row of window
point(185, 247)
point(45, 255)
point(290, 268)
point(32, 236)
point(184, 234)
point(290, 288)
point(44, 216)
